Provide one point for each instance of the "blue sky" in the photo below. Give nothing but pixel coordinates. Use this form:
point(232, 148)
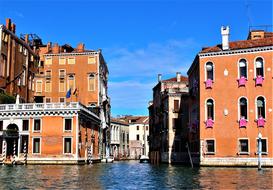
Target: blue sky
point(139, 38)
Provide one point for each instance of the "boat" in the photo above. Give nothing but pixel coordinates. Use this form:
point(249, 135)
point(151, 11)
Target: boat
point(107, 160)
point(144, 159)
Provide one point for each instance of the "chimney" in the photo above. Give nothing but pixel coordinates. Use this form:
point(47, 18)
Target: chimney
point(55, 48)
point(26, 38)
point(178, 77)
point(8, 23)
point(225, 36)
point(80, 47)
point(48, 46)
point(159, 76)
point(13, 28)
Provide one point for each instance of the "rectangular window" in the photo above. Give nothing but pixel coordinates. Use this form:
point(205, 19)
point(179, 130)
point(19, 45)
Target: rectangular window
point(62, 60)
point(37, 125)
point(48, 74)
point(137, 137)
point(176, 105)
point(67, 124)
point(47, 100)
point(39, 86)
point(71, 60)
point(3, 63)
point(137, 127)
point(91, 82)
point(36, 145)
point(24, 143)
point(62, 73)
point(24, 78)
point(67, 145)
point(61, 85)
point(1, 125)
point(123, 137)
point(264, 146)
point(147, 128)
point(25, 125)
point(48, 86)
point(210, 146)
point(62, 100)
point(71, 82)
point(91, 60)
point(243, 146)
point(48, 60)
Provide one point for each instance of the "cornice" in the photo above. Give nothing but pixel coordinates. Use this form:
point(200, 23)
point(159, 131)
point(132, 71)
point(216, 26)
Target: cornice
point(240, 51)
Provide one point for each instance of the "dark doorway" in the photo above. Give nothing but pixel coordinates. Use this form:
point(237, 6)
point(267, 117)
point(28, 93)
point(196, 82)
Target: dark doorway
point(11, 136)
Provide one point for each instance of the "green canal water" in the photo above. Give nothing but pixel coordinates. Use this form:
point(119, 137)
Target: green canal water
point(132, 175)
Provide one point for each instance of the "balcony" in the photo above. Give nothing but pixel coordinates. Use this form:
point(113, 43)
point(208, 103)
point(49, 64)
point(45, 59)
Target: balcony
point(209, 123)
point(242, 81)
point(208, 83)
point(259, 80)
point(260, 121)
point(242, 122)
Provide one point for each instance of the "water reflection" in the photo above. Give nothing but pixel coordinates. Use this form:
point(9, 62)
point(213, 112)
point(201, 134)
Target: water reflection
point(132, 175)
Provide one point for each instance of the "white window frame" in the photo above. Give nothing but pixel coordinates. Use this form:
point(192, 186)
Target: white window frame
point(39, 81)
point(238, 108)
point(256, 107)
point(40, 148)
point(50, 89)
point(71, 58)
point(239, 146)
point(206, 151)
point(89, 83)
point(34, 131)
point(25, 119)
point(90, 62)
point(238, 66)
point(213, 69)
point(71, 145)
point(61, 57)
point(263, 138)
point(255, 75)
point(64, 118)
point(46, 60)
point(206, 111)
point(74, 81)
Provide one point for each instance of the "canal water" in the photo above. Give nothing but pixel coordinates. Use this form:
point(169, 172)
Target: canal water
point(132, 175)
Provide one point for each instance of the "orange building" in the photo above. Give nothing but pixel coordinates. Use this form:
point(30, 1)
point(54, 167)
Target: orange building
point(55, 133)
point(18, 64)
point(231, 101)
point(68, 74)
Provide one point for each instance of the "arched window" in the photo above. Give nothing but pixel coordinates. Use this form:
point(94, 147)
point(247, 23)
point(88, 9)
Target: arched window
point(260, 107)
point(242, 68)
point(243, 108)
point(209, 70)
point(259, 65)
point(210, 109)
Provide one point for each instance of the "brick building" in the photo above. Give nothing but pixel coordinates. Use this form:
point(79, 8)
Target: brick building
point(18, 64)
point(231, 100)
point(79, 72)
point(168, 114)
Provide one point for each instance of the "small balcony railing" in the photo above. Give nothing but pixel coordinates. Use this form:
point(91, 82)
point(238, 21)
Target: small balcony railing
point(260, 121)
point(259, 80)
point(242, 122)
point(209, 123)
point(242, 81)
point(208, 83)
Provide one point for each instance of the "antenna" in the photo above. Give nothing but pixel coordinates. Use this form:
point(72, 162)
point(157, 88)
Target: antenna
point(248, 14)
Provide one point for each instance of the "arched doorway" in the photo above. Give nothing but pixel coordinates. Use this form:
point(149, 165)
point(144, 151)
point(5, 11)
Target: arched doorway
point(11, 136)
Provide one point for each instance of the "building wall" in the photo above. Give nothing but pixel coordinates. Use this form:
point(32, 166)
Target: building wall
point(18, 64)
point(226, 93)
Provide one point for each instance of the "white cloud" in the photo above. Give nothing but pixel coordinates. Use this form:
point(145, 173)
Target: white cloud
point(133, 72)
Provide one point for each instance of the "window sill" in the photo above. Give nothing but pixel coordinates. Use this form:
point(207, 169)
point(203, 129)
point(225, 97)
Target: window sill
point(210, 153)
point(263, 153)
point(36, 131)
point(243, 153)
point(68, 131)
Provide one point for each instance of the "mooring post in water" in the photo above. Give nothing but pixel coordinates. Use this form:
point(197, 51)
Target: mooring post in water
point(4, 152)
point(14, 152)
point(188, 148)
point(25, 152)
point(259, 151)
